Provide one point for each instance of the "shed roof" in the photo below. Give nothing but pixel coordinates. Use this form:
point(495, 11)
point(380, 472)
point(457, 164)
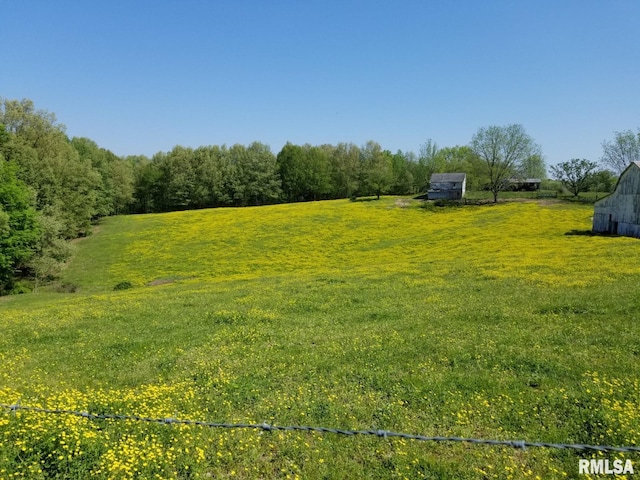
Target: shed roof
point(447, 177)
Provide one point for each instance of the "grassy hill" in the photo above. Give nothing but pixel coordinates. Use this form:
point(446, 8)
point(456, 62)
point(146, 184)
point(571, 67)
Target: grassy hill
point(501, 322)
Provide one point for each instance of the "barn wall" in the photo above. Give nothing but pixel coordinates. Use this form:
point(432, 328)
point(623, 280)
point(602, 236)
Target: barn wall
point(620, 212)
point(446, 190)
point(445, 195)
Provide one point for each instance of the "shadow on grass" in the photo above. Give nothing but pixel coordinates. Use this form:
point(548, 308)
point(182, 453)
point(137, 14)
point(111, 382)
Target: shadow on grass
point(365, 199)
point(590, 233)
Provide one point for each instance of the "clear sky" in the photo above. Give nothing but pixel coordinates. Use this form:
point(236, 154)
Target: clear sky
point(141, 76)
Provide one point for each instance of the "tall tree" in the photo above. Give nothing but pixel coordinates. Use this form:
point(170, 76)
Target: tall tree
point(502, 150)
point(179, 178)
point(624, 149)
point(401, 176)
point(601, 181)
point(344, 162)
point(19, 226)
point(574, 174)
point(89, 151)
point(122, 181)
point(428, 164)
point(253, 178)
point(318, 168)
point(48, 163)
point(210, 166)
point(304, 172)
point(114, 192)
point(462, 159)
point(533, 167)
point(291, 168)
point(146, 184)
point(375, 173)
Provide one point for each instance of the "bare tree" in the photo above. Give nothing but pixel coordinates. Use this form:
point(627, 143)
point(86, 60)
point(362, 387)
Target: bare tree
point(624, 149)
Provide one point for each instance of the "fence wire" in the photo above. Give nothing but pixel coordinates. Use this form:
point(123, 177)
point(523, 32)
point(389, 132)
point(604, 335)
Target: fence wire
point(519, 444)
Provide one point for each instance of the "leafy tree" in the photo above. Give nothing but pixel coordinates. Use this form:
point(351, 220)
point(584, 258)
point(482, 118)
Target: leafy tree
point(76, 197)
point(462, 159)
point(89, 151)
point(428, 164)
point(574, 174)
point(146, 184)
point(601, 181)
point(210, 165)
point(344, 161)
point(178, 178)
point(253, 175)
point(533, 167)
point(402, 178)
point(304, 172)
point(502, 150)
point(51, 251)
point(318, 173)
point(114, 192)
point(122, 181)
point(19, 227)
point(624, 149)
point(50, 165)
point(291, 168)
point(375, 170)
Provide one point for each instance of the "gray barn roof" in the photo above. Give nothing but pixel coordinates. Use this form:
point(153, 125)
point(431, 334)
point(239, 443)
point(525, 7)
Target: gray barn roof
point(447, 177)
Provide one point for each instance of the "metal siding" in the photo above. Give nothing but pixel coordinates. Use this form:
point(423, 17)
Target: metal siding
point(621, 209)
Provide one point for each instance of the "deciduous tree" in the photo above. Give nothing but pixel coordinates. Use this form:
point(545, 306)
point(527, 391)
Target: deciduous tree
point(624, 149)
point(574, 174)
point(375, 170)
point(345, 163)
point(533, 167)
point(19, 227)
point(502, 150)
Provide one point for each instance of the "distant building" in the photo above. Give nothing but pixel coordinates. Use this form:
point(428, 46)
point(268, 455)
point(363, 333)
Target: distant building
point(525, 184)
point(619, 213)
point(447, 186)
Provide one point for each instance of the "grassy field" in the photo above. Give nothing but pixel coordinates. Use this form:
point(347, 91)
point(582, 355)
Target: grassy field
point(503, 321)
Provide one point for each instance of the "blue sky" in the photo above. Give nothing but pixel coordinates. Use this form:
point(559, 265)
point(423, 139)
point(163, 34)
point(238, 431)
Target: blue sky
point(142, 76)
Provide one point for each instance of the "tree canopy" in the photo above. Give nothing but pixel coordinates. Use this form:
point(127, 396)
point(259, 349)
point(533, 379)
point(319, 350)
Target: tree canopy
point(19, 225)
point(503, 150)
point(574, 174)
point(54, 187)
point(619, 153)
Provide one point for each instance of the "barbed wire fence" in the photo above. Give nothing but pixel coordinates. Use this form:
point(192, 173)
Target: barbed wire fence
point(518, 444)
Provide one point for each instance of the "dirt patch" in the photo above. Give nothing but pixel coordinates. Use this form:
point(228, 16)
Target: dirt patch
point(402, 202)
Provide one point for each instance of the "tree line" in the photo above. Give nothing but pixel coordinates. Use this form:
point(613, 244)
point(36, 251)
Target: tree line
point(53, 187)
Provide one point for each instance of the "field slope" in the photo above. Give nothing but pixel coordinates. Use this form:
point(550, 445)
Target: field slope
point(501, 322)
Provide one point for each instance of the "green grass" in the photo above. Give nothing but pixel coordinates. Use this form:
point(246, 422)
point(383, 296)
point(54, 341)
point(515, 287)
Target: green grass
point(586, 197)
point(481, 321)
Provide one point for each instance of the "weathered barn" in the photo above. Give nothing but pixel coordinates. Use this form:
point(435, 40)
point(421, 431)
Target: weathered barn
point(447, 186)
point(619, 213)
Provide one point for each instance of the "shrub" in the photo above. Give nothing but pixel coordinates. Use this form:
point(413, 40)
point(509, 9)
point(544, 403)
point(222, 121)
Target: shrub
point(19, 288)
point(125, 285)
